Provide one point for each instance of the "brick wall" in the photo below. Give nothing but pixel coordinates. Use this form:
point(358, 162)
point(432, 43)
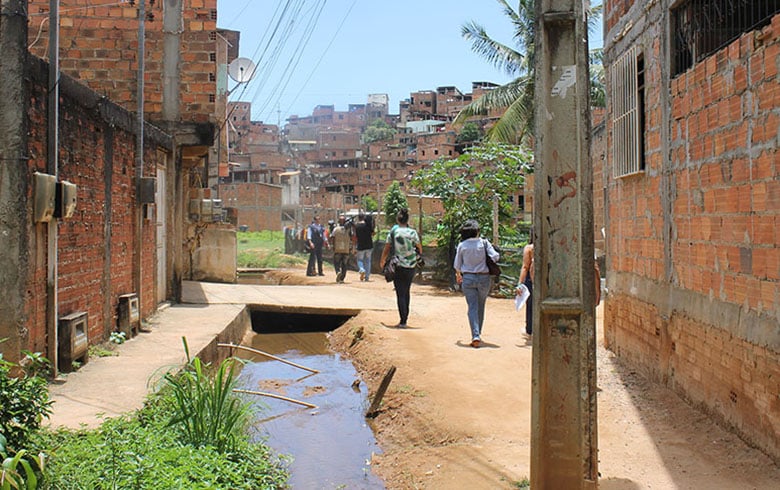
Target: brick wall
point(95, 249)
point(692, 242)
point(258, 205)
point(99, 46)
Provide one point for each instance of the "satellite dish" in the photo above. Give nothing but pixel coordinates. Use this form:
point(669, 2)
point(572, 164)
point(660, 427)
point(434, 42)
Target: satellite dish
point(241, 69)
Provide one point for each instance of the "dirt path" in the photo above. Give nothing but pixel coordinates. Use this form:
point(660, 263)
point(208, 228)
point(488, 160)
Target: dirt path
point(457, 417)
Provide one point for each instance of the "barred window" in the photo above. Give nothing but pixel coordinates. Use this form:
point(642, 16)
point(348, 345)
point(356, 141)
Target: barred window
point(701, 27)
point(627, 80)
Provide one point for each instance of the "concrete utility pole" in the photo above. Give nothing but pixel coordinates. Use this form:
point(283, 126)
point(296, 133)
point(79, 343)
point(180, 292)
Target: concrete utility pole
point(563, 441)
point(15, 217)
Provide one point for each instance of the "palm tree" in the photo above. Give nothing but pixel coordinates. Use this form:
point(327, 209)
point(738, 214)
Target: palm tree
point(517, 96)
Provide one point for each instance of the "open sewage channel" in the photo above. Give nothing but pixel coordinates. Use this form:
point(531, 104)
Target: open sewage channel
point(331, 445)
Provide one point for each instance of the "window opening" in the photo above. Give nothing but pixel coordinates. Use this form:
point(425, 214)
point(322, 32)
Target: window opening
point(627, 79)
point(701, 27)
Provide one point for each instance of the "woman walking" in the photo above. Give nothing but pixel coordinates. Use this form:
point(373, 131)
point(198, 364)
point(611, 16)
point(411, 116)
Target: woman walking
point(527, 279)
point(471, 272)
point(402, 242)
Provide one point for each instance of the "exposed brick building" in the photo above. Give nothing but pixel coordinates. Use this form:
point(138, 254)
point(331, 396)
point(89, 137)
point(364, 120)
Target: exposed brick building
point(693, 203)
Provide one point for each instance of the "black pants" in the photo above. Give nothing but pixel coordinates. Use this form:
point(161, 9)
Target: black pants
point(529, 306)
point(315, 255)
point(403, 283)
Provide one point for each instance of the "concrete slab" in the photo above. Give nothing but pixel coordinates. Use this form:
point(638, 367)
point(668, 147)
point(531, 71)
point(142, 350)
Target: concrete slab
point(210, 313)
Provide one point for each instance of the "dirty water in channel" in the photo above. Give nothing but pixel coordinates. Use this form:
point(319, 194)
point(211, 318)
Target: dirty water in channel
point(331, 445)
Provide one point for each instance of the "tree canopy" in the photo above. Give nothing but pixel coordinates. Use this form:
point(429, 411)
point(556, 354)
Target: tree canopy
point(467, 184)
point(378, 130)
point(516, 97)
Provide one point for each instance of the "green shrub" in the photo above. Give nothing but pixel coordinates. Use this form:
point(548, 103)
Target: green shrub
point(24, 400)
point(19, 471)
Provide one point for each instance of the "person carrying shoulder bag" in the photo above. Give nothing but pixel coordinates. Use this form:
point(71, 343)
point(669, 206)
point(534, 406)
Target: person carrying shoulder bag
point(404, 242)
point(473, 274)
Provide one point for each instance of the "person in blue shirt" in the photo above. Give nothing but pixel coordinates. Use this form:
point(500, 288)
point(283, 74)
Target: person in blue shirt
point(471, 272)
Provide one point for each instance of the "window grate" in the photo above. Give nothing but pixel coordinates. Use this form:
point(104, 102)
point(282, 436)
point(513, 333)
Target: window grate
point(701, 27)
point(627, 87)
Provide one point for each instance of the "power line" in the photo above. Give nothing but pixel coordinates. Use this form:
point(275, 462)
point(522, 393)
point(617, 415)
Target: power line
point(322, 56)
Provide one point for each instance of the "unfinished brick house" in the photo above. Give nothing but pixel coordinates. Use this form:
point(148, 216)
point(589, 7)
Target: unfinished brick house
point(126, 238)
point(693, 203)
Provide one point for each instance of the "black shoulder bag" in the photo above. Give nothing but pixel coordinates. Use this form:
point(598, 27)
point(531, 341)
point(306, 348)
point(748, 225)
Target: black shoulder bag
point(493, 268)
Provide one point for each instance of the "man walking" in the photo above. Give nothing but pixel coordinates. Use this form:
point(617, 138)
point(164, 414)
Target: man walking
point(315, 239)
point(342, 248)
point(365, 245)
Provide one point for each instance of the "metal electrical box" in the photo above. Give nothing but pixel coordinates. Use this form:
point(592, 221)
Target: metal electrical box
point(217, 214)
point(206, 210)
point(194, 209)
point(66, 200)
point(129, 318)
point(72, 340)
point(44, 197)
point(147, 187)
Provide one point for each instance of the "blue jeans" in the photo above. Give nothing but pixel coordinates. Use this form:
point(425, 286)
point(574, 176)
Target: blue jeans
point(476, 288)
point(364, 261)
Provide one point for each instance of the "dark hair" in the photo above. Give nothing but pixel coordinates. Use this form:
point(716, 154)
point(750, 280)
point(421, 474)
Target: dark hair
point(403, 216)
point(361, 215)
point(469, 229)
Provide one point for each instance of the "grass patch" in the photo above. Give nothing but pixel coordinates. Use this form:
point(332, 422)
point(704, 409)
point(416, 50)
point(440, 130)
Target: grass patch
point(191, 434)
point(264, 250)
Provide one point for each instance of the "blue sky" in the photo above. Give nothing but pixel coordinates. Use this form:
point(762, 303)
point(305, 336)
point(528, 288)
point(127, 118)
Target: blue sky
point(339, 51)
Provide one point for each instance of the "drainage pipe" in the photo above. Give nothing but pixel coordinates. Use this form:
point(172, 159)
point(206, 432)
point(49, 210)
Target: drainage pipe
point(139, 155)
point(278, 397)
point(52, 164)
point(270, 356)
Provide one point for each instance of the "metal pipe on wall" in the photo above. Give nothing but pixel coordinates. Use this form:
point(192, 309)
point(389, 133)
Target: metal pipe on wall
point(139, 153)
point(52, 163)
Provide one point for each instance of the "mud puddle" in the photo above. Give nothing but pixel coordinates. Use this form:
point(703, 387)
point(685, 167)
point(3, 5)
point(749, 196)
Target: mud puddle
point(331, 445)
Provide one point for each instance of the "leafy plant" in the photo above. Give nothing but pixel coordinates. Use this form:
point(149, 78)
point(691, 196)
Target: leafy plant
point(118, 338)
point(18, 471)
point(369, 204)
point(24, 400)
point(208, 412)
point(395, 200)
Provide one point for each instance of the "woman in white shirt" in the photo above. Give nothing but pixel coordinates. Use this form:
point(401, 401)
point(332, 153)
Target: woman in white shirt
point(471, 272)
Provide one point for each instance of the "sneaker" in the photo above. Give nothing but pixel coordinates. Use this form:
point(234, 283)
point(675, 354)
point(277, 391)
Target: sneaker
point(320, 274)
point(362, 275)
point(475, 343)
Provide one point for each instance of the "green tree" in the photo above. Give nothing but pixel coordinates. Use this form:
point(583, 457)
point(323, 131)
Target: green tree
point(395, 200)
point(516, 97)
point(466, 185)
point(369, 204)
point(469, 133)
point(378, 130)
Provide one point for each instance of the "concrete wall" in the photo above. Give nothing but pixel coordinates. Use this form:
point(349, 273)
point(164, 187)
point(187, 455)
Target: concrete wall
point(692, 242)
point(213, 253)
